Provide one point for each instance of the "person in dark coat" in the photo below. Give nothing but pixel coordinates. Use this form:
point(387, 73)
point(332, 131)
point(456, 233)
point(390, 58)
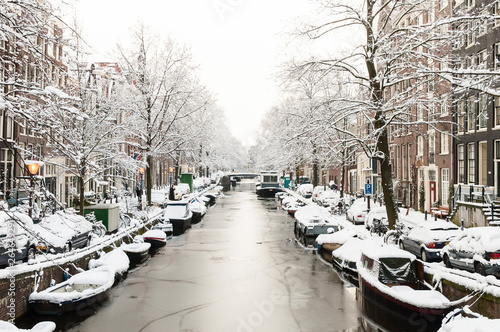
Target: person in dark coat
point(171, 194)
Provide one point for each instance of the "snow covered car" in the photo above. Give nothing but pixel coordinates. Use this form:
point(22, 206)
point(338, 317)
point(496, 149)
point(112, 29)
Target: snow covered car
point(357, 212)
point(62, 232)
point(476, 250)
point(328, 198)
point(427, 240)
point(317, 191)
point(305, 190)
point(180, 190)
point(377, 212)
point(16, 239)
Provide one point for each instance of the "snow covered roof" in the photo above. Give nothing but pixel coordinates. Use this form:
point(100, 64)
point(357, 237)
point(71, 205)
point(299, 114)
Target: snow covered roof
point(378, 253)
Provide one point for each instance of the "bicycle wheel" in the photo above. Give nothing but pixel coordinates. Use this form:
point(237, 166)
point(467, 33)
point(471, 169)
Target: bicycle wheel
point(391, 237)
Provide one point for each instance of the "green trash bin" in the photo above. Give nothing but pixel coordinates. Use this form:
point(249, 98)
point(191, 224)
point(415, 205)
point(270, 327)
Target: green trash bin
point(109, 214)
point(187, 178)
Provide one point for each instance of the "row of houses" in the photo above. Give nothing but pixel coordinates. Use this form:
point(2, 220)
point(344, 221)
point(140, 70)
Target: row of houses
point(453, 163)
point(44, 63)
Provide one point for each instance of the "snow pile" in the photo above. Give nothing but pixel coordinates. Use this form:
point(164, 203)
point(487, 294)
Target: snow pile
point(350, 251)
point(339, 237)
point(313, 215)
point(196, 206)
point(116, 259)
point(456, 322)
point(135, 247)
point(159, 196)
point(176, 211)
point(40, 327)
point(155, 234)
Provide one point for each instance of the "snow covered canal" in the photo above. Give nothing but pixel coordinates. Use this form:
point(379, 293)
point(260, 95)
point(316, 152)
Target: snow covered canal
point(240, 269)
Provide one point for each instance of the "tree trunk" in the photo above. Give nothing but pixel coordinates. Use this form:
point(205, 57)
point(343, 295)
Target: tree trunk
point(82, 195)
point(386, 172)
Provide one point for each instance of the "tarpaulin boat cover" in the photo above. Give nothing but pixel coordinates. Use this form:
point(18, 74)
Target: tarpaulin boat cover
point(396, 270)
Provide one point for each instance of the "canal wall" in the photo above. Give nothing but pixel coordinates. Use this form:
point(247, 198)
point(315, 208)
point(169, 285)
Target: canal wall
point(19, 281)
point(481, 293)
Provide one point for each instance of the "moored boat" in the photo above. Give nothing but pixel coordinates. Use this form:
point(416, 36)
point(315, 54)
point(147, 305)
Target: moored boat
point(116, 259)
point(157, 238)
point(329, 242)
point(137, 253)
point(39, 327)
point(269, 185)
point(311, 221)
point(78, 292)
point(391, 283)
point(179, 215)
point(198, 209)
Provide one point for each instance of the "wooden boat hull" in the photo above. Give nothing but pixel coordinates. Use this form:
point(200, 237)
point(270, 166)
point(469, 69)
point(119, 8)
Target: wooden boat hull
point(180, 226)
point(138, 257)
point(268, 192)
point(45, 307)
point(325, 250)
point(378, 304)
point(197, 216)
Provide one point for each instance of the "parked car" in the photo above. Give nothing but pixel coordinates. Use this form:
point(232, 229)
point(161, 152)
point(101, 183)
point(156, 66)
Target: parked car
point(476, 250)
point(427, 240)
point(357, 212)
point(377, 212)
point(317, 191)
point(62, 232)
point(180, 190)
point(305, 190)
point(16, 238)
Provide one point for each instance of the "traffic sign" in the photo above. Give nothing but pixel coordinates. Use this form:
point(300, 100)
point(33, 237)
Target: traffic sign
point(368, 189)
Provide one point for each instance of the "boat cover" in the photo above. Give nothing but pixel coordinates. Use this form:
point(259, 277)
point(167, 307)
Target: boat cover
point(397, 270)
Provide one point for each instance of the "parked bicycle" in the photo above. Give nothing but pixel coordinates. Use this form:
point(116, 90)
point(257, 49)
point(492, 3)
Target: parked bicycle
point(378, 227)
point(98, 228)
point(394, 235)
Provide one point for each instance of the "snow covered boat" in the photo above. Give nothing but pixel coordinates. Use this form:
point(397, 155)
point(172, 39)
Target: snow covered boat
point(157, 238)
point(347, 256)
point(179, 215)
point(198, 209)
point(137, 253)
point(76, 293)
point(391, 284)
point(165, 226)
point(329, 242)
point(269, 185)
point(311, 221)
point(116, 259)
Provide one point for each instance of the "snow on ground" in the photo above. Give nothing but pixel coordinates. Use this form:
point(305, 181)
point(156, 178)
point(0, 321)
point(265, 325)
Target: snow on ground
point(464, 320)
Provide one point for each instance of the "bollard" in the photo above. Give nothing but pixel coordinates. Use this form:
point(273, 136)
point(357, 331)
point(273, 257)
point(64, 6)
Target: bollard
point(425, 215)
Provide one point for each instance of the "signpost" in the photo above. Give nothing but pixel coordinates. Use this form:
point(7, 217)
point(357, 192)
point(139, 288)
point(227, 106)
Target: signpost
point(368, 192)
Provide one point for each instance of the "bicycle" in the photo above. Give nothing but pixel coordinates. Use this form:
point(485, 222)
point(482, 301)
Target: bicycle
point(98, 228)
point(378, 227)
point(394, 235)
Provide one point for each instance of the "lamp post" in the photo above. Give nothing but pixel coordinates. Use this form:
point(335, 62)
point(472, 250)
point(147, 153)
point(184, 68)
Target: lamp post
point(33, 166)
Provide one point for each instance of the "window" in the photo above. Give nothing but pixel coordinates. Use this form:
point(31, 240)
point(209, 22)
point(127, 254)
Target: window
point(471, 162)
point(461, 163)
point(432, 148)
point(445, 181)
point(409, 162)
point(496, 51)
point(420, 146)
point(497, 111)
point(469, 3)
point(461, 116)
point(444, 107)
point(483, 111)
point(471, 114)
point(497, 150)
point(420, 112)
point(496, 12)
point(403, 162)
point(445, 143)
point(10, 128)
point(482, 59)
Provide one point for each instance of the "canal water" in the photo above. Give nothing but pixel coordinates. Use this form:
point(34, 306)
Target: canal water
point(239, 270)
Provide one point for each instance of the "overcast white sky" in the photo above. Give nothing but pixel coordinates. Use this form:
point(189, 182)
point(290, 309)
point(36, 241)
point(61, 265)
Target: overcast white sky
point(238, 44)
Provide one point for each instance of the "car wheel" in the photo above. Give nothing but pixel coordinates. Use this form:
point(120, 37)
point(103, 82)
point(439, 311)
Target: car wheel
point(401, 245)
point(67, 247)
point(446, 261)
point(423, 254)
point(31, 254)
point(479, 268)
point(87, 243)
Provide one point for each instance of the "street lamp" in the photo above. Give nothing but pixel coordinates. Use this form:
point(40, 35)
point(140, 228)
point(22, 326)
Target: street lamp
point(33, 166)
point(171, 171)
point(139, 191)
